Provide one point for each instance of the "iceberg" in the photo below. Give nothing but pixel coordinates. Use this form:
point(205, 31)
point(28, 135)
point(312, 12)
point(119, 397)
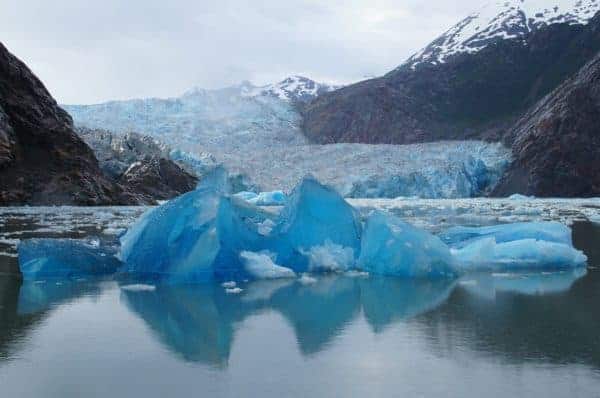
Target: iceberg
point(315, 214)
point(545, 231)
point(523, 254)
point(246, 195)
point(261, 266)
point(274, 198)
point(330, 258)
point(177, 242)
point(66, 258)
point(393, 247)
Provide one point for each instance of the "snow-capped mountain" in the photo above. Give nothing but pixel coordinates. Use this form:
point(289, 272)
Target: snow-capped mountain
point(293, 89)
point(502, 20)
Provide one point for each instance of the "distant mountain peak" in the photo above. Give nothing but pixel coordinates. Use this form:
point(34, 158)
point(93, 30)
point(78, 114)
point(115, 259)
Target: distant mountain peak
point(293, 88)
point(503, 20)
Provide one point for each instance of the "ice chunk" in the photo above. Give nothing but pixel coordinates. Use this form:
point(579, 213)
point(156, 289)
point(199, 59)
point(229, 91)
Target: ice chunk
point(393, 247)
point(274, 198)
point(65, 258)
point(240, 227)
point(314, 215)
point(247, 196)
point(261, 266)
point(545, 231)
point(178, 241)
point(330, 258)
point(518, 196)
point(524, 254)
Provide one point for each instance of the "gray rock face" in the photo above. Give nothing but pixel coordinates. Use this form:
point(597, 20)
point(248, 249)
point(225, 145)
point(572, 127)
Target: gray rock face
point(139, 163)
point(556, 144)
point(158, 178)
point(116, 152)
point(42, 160)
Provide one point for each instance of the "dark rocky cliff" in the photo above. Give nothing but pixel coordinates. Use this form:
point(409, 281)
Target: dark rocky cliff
point(42, 160)
point(556, 145)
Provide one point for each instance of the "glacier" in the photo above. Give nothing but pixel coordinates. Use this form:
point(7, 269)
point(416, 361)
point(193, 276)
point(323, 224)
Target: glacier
point(209, 234)
point(256, 134)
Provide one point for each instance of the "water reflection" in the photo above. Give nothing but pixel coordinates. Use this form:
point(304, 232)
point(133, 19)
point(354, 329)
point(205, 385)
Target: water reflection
point(516, 317)
point(522, 318)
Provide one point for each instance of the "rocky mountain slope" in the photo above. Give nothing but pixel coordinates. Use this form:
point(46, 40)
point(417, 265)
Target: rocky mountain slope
point(140, 163)
point(42, 160)
point(557, 143)
point(471, 83)
point(117, 152)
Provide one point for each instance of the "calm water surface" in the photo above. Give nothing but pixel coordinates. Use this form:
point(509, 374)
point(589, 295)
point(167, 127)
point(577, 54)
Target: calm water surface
point(488, 335)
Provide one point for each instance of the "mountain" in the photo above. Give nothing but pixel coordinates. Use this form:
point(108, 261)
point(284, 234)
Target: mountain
point(503, 20)
point(557, 143)
point(42, 160)
point(473, 82)
point(295, 89)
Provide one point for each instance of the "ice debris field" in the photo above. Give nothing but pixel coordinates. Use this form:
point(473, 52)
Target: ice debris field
point(209, 235)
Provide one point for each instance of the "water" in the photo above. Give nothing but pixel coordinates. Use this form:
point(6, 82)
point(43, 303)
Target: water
point(492, 335)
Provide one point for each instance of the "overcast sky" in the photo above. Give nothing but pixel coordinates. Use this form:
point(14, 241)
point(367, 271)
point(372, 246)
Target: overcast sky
point(89, 51)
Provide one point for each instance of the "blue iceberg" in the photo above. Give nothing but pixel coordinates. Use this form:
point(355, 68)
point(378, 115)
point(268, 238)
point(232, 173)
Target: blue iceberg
point(314, 215)
point(546, 231)
point(66, 258)
point(520, 246)
point(274, 198)
point(393, 247)
point(523, 254)
point(177, 242)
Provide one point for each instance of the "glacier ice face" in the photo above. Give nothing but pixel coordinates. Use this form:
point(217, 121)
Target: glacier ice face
point(261, 266)
point(210, 127)
point(393, 247)
point(545, 231)
point(65, 258)
point(315, 214)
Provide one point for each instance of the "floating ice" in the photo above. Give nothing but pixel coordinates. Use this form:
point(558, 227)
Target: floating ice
point(545, 231)
point(247, 196)
point(65, 258)
point(274, 198)
point(261, 266)
point(523, 254)
point(518, 196)
point(393, 247)
point(330, 258)
point(177, 242)
point(314, 215)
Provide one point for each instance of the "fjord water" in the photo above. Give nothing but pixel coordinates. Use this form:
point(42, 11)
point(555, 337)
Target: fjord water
point(493, 335)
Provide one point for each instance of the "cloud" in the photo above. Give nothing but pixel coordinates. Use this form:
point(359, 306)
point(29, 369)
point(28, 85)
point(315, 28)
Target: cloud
point(89, 52)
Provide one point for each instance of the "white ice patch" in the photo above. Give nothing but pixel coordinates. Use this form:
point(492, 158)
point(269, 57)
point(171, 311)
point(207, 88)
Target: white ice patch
point(306, 279)
point(329, 257)
point(261, 266)
point(235, 290)
point(138, 288)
